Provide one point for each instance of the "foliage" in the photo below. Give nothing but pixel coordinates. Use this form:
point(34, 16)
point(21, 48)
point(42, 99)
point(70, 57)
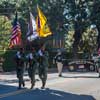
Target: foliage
point(9, 63)
point(70, 19)
point(69, 40)
point(95, 17)
point(5, 32)
point(89, 43)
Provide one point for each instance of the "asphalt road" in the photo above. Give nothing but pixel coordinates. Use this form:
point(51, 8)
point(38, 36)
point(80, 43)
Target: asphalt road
point(72, 86)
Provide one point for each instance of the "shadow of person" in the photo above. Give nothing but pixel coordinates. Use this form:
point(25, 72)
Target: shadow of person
point(50, 94)
point(39, 94)
point(5, 89)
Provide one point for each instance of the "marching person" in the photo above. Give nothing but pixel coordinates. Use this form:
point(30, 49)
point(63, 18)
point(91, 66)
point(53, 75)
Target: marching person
point(99, 65)
point(43, 65)
point(32, 66)
point(58, 59)
point(19, 59)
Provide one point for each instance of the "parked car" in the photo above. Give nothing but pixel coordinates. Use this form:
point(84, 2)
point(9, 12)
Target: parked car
point(81, 64)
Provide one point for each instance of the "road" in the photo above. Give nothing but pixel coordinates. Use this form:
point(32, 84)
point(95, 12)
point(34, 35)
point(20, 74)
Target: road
point(72, 86)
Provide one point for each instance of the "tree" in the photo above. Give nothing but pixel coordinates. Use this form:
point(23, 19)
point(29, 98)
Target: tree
point(7, 7)
point(64, 16)
point(5, 32)
point(77, 14)
point(69, 40)
point(89, 43)
point(95, 17)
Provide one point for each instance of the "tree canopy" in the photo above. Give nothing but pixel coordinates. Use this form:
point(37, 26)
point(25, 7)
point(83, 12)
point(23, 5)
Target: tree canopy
point(64, 17)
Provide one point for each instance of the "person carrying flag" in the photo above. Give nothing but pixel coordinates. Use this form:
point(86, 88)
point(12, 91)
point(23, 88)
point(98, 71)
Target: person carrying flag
point(31, 58)
point(19, 59)
point(43, 65)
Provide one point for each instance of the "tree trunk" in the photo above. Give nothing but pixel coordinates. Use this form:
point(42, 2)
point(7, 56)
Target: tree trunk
point(77, 36)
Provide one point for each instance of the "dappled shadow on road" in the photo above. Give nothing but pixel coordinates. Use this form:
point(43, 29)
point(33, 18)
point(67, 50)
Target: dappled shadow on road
point(8, 89)
point(50, 94)
point(39, 94)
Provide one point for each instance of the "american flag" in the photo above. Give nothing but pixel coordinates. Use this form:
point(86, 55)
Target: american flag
point(16, 33)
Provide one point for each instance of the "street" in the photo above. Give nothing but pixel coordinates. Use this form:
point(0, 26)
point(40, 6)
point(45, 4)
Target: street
point(72, 86)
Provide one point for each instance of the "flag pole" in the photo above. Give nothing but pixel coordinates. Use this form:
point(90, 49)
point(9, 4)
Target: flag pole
point(21, 44)
point(38, 18)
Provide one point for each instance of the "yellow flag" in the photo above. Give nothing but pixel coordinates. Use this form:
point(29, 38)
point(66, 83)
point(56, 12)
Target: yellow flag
point(42, 27)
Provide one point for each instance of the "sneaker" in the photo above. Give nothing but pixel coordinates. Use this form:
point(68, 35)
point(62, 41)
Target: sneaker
point(42, 87)
point(60, 75)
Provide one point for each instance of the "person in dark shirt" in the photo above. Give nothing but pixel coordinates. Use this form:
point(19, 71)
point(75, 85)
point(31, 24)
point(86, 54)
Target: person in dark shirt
point(19, 59)
point(43, 65)
point(31, 59)
point(58, 59)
